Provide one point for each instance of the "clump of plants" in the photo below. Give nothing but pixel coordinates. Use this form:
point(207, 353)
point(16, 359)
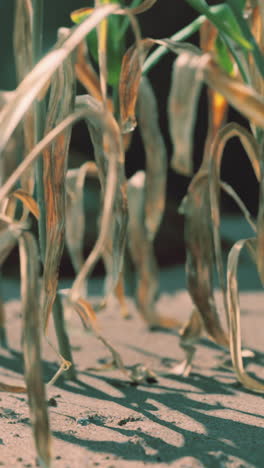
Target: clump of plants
point(35, 129)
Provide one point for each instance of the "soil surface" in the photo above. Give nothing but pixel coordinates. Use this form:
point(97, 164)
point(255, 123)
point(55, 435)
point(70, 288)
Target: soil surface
point(205, 420)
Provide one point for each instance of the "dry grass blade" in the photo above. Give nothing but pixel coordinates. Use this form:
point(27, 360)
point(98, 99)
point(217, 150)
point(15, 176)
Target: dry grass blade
point(234, 315)
point(55, 161)
point(183, 102)
point(38, 78)
point(109, 156)
point(199, 263)
point(27, 200)
point(145, 5)
point(24, 63)
point(156, 158)
point(29, 267)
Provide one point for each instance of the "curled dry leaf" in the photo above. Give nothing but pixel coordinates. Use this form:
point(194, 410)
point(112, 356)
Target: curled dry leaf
point(183, 102)
point(27, 200)
point(156, 158)
point(55, 161)
point(109, 156)
point(29, 268)
point(234, 315)
point(216, 153)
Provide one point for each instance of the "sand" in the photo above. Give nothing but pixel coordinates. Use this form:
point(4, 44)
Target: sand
point(204, 420)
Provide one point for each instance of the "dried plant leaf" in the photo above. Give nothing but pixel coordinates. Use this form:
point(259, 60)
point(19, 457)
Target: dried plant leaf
point(24, 63)
point(29, 267)
point(55, 161)
point(183, 102)
point(129, 83)
point(27, 201)
point(216, 153)
point(199, 262)
point(242, 97)
point(141, 249)
point(12, 388)
point(234, 315)
point(86, 74)
point(34, 82)
point(109, 156)
point(156, 158)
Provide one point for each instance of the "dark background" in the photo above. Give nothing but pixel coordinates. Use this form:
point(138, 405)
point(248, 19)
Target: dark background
point(163, 20)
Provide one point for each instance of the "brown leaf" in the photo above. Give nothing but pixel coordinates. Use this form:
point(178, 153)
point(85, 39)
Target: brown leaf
point(55, 161)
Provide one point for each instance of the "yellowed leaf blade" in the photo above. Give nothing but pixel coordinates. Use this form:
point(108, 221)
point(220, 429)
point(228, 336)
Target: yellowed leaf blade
point(156, 157)
point(55, 161)
point(234, 315)
point(29, 270)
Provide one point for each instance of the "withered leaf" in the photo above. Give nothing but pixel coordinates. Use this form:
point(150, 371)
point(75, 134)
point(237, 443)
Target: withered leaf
point(156, 157)
point(29, 270)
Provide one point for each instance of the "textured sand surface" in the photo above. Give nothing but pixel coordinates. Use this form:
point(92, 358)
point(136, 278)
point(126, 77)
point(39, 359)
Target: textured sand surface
point(205, 420)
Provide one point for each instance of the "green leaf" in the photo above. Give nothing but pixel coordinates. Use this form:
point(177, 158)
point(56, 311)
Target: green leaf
point(222, 55)
point(224, 20)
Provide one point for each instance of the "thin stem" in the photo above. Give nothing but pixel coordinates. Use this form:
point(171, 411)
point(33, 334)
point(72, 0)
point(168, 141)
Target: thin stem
point(179, 36)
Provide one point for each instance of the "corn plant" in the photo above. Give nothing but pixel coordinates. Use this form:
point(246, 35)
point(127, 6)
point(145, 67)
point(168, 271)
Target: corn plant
point(35, 129)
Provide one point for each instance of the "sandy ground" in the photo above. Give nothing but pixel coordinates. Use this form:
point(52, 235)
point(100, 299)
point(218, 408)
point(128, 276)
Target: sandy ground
point(205, 420)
